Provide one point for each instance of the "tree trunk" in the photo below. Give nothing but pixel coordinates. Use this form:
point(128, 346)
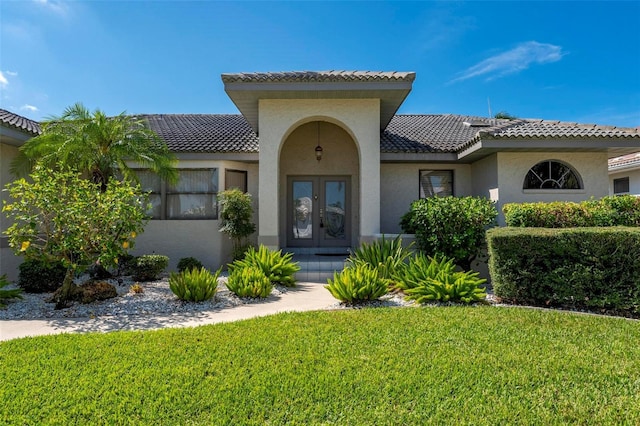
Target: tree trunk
point(67, 291)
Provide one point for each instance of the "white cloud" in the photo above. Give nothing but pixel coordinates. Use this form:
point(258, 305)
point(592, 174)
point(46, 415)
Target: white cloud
point(3, 80)
point(513, 61)
point(27, 107)
point(11, 73)
point(58, 7)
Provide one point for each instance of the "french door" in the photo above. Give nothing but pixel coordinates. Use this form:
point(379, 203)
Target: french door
point(318, 211)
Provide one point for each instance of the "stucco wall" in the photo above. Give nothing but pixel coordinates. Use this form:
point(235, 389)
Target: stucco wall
point(197, 238)
point(513, 167)
point(8, 261)
point(399, 186)
point(634, 180)
point(484, 177)
point(360, 118)
point(339, 158)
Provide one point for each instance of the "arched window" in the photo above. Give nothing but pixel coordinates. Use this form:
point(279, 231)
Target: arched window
point(551, 174)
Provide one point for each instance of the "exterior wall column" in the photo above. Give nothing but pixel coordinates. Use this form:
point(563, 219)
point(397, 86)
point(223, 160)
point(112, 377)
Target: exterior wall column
point(279, 117)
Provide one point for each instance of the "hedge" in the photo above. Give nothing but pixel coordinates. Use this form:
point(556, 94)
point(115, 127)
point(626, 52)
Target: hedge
point(588, 268)
point(608, 211)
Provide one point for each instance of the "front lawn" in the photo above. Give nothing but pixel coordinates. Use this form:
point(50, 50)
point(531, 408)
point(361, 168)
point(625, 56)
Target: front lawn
point(454, 365)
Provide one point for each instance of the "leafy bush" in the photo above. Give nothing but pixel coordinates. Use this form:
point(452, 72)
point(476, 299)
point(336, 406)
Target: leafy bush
point(235, 219)
point(194, 285)
point(593, 268)
point(188, 263)
point(608, 211)
point(249, 281)
point(278, 268)
point(428, 279)
point(357, 284)
point(388, 256)
point(451, 226)
point(149, 267)
point(6, 294)
point(39, 276)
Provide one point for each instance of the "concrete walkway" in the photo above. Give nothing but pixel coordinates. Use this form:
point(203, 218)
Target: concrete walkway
point(304, 297)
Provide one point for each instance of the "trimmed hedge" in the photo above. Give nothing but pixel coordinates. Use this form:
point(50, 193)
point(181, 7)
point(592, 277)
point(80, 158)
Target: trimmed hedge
point(588, 268)
point(608, 211)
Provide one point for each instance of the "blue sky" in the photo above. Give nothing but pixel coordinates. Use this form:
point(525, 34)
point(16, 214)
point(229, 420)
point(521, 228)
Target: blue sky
point(571, 61)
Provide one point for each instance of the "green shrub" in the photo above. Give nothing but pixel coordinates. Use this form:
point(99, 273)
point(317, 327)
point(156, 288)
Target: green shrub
point(429, 279)
point(388, 256)
point(249, 281)
point(6, 294)
point(608, 211)
point(194, 285)
point(38, 276)
point(592, 268)
point(236, 213)
point(358, 284)
point(451, 226)
point(189, 263)
point(148, 267)
point(278, 268)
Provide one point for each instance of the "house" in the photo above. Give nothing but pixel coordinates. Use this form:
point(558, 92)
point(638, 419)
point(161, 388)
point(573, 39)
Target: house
point(15, 130)
point(330, 165)
point(624, 175)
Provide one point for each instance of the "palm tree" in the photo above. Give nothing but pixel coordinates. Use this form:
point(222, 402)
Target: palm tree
point(97, 145)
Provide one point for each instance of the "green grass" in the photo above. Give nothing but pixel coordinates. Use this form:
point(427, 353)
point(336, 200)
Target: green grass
point(457, 365)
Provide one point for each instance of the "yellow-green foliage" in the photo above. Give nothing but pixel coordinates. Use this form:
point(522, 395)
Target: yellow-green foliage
point(356, 284)
point(194, 285)
point(387, 255)
point(248, 281)
point(279, 268)
point(429, 279)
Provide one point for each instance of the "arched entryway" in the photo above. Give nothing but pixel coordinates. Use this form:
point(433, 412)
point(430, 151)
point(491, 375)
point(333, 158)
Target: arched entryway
point(319, 178)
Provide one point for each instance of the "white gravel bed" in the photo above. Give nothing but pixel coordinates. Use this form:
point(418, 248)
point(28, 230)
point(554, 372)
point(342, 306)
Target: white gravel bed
point(157, 298)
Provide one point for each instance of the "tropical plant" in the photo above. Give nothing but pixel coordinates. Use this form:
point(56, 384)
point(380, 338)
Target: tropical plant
point(7, 294)
point(194, 285)
point(505, 116)
point(249, 281)
point(278, 268)
point(236, 213)
point(388, 256)
point(451, 226)
point(96, 145)
point(430, 279)
point(57, 216)
point(358, 284)
point(148, 267)
point(188, 263)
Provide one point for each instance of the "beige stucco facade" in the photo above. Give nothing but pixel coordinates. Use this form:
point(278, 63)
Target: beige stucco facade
point(8, 261)
point(634, 180)
point(197, 238)
point(283, 121)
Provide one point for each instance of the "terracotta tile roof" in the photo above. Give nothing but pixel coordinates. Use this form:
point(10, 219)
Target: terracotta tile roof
point(625, 161)
point(204, 132)
point(405, 133)
point(530, 128)
point(432, 133)
point(317, 76)
point(19, 122)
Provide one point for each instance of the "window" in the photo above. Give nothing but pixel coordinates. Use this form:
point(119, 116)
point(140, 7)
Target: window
point(436, 183)
point(552, 174)
point(235, 179)
point(194, 196)
point(621, 186)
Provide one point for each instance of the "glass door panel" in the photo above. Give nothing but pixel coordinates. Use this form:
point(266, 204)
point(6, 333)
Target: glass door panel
point(302, 213)
point(334, 213)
